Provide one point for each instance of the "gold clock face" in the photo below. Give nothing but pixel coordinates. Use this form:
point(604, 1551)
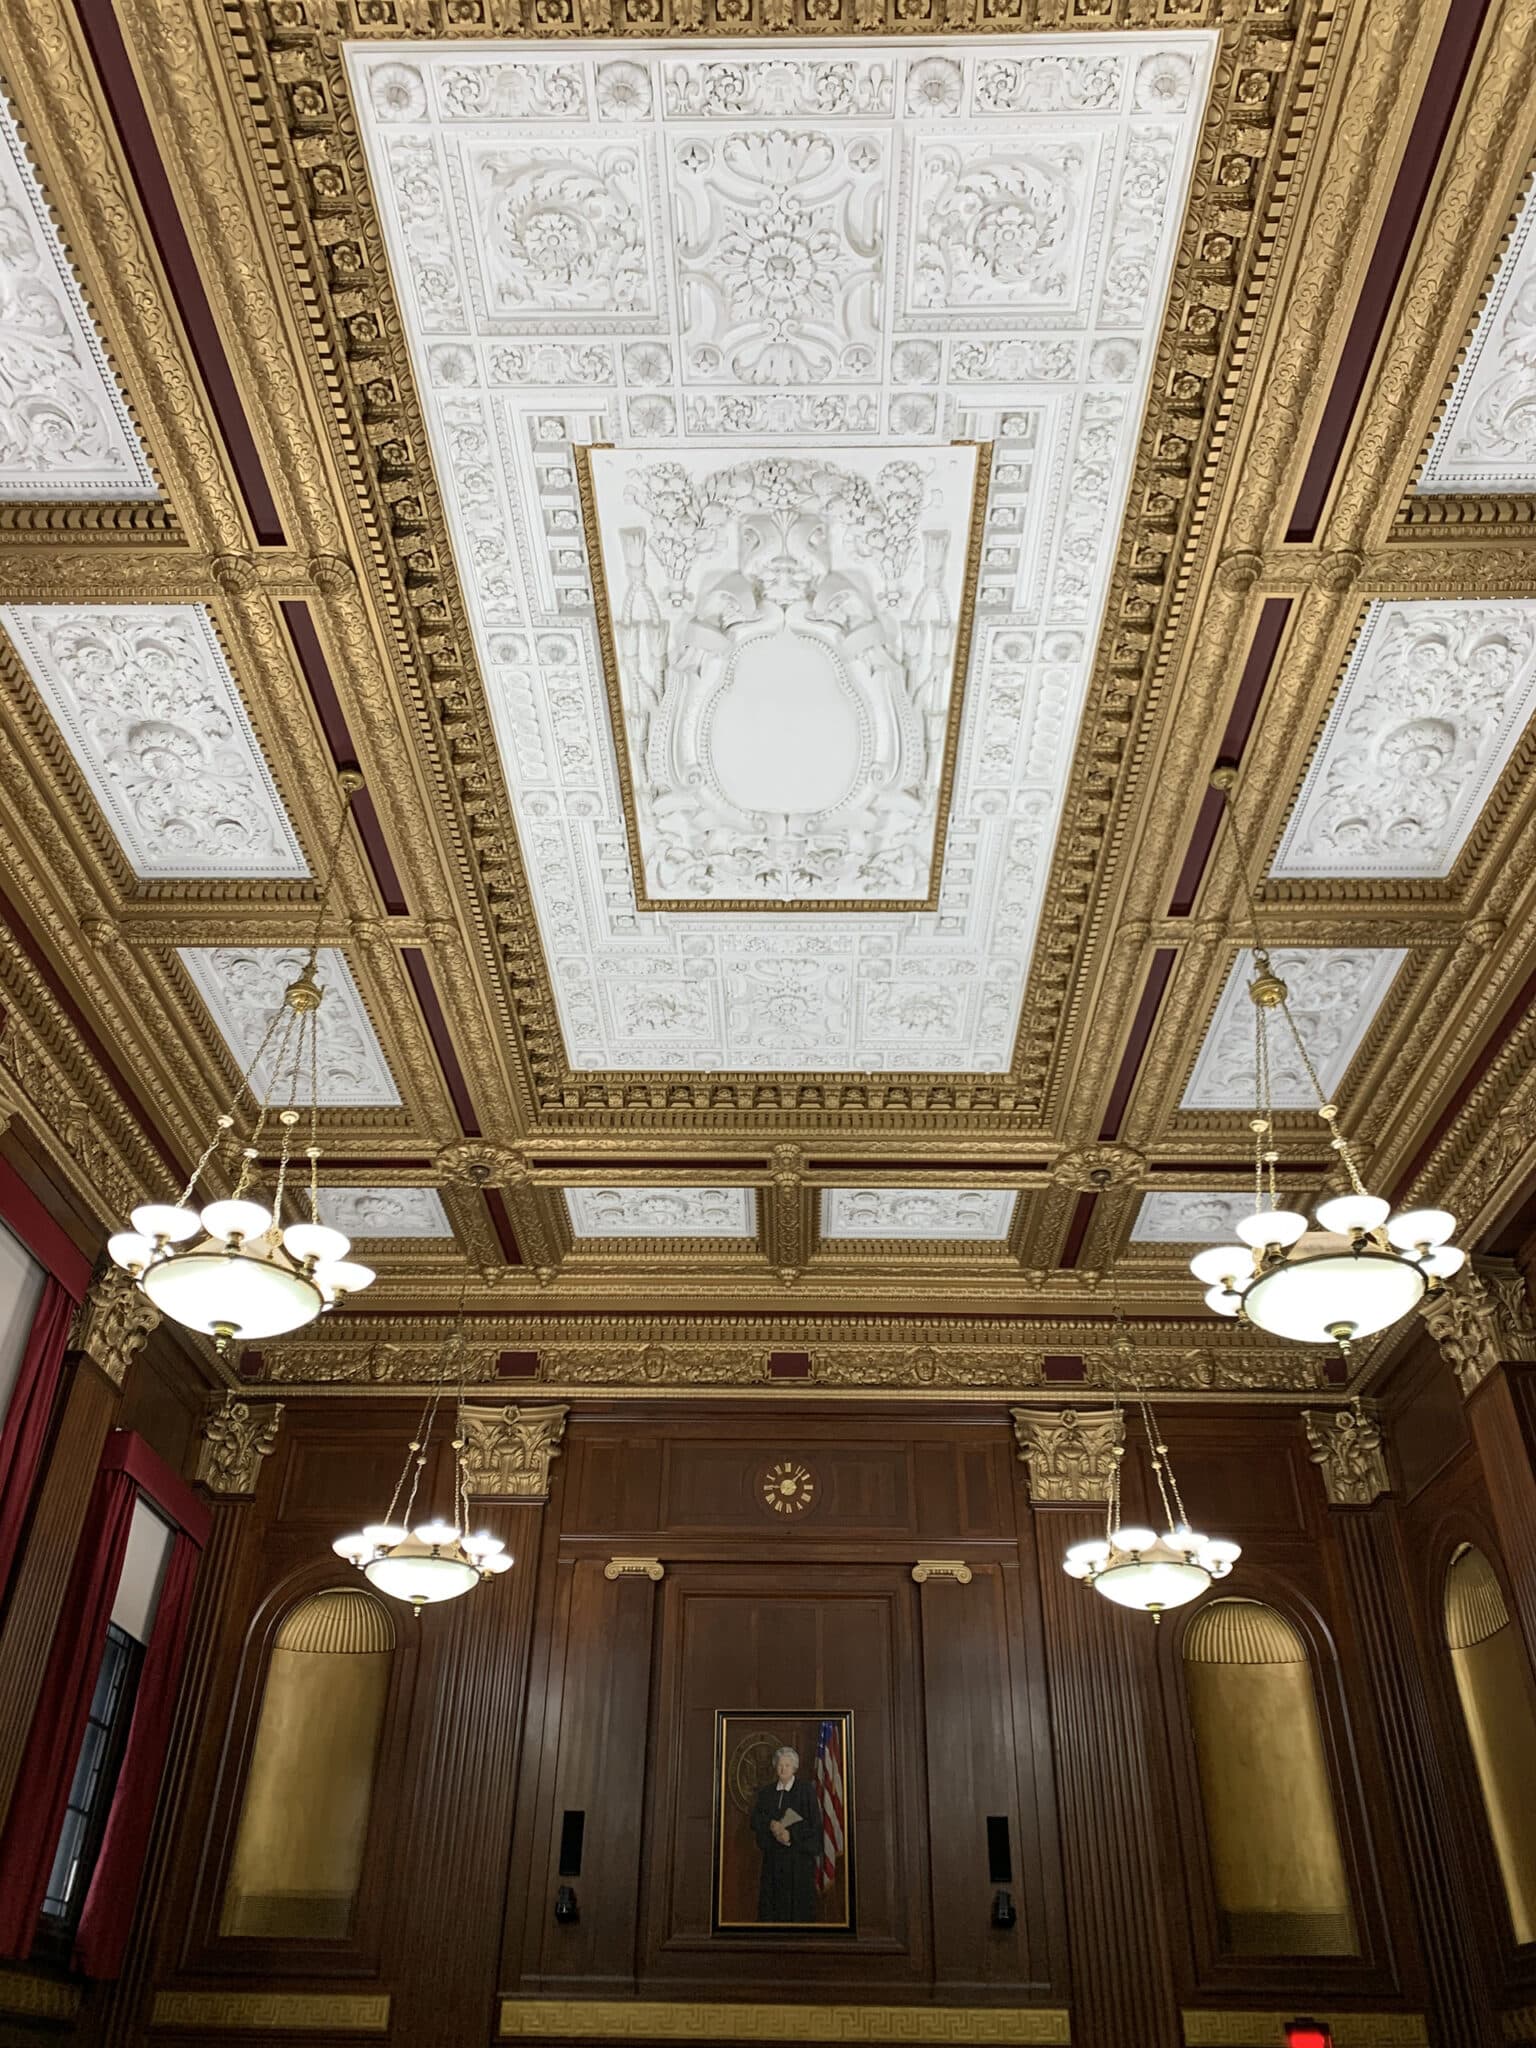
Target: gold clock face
point(788, 1488)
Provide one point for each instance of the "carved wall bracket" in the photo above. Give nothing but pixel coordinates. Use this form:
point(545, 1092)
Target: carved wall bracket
point(954, 1568)
point(634, 1568)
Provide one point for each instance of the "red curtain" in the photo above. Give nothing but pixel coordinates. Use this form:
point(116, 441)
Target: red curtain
point(58, 1725)
point(25, 1431)
point(102, 1936)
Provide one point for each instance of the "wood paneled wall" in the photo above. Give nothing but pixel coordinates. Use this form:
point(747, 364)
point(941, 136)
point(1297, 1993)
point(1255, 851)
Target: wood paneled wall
point(1018, 1694)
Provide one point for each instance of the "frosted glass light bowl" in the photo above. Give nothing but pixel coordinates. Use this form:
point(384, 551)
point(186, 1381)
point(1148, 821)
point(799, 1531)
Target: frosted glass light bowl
point(232, 1294)
point(1349, 1293)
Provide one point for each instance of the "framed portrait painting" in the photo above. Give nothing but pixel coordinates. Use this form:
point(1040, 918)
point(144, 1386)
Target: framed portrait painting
point(784, 1822)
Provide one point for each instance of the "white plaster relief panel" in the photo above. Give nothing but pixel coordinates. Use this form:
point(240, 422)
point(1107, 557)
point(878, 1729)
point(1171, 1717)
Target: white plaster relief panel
point(758, 603)
point(1434, 701)
point(385, 1212)
point(1333, 996)
point(243, 987)
point(1209, 1216)
point(1486, 439)
point(980, 1215)
point(64, 428)
point(662, 1212)
point(145, 702)
point(818, 256)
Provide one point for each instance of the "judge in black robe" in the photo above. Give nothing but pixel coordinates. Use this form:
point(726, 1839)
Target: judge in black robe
point(787, 1888)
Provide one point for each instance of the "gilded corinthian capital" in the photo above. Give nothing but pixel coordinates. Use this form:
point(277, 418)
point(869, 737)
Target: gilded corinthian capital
point(1070, 1454)
point(1483, 1319)
point(508, 1451)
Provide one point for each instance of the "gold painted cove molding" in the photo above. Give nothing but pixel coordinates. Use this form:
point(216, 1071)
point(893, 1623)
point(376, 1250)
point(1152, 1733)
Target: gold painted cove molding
point(527, 2019)
point(1265, 2029)
point(284, 2011)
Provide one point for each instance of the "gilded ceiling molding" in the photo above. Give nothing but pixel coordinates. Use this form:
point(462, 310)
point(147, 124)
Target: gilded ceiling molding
point(70, 133)
point(508, 1452)
point(1346, 1446)
point(1482, 1320)
point(112, 1324)
point(1071, 1455)
point(236, 1438)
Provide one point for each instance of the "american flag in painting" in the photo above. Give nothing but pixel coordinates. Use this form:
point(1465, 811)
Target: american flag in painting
point(829, 1790)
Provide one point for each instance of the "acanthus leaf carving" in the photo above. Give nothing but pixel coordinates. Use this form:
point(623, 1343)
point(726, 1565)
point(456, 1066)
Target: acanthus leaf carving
point(1484, 1319)
point(508, 1451)
point(1347, 1447)
point(1071, 1453)
point(112, 1324)
point(237, 1437)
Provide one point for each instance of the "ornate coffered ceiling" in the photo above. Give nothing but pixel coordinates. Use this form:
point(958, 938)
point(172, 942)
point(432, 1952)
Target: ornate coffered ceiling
point(64, 428)
point(697, 458)
point(781, 287)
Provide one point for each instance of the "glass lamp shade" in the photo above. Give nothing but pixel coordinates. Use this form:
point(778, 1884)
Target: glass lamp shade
point(1411, 1231)
point(1221, 1263)
point(1349, 1213)
point(167, 1221)
point(131, 1251)
point(420, 1575)
point(315, 1241)
point(1314, 1301)
point(236, 1219)
point(231, 1293)
point(1155, 1580)
point(1271, 1226)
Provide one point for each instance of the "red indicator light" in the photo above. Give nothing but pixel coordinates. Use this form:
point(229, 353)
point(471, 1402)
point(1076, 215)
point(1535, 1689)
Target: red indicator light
point(1308, 2034)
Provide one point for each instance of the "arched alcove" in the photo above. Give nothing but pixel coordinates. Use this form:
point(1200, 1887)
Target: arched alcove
point(1498, 1701)
point(1276, 1863)
point(309, 1790)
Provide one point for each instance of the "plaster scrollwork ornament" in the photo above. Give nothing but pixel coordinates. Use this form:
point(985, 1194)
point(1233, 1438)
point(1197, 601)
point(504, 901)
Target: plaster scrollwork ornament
point(508, 1452)
point(236, 1438)
point(982, 1215)
point(1486, 440)
point(112, 1324)
point(784, 595)
point(1433, 702)
point(1346, 1446)
point(781, 251)
point(243, 986)
point(1169, 1216)
point(64, 429)
point(1070, 1454)
point(561, 229)
point(385, 1212)
point(1334, 994)
point(147, 706)
point(998, 224)
point(662, 1212)
point(1482, 1320)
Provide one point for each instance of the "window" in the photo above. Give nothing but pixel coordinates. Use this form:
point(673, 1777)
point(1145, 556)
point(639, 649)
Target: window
point(21, 1289)
point(95, 1780)
point(1498, 1703)
point(298, 1858)
point(150, 1541)
point(1276, 1864)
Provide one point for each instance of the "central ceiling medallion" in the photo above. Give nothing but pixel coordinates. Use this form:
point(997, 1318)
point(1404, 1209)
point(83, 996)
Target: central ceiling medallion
point(784, 639)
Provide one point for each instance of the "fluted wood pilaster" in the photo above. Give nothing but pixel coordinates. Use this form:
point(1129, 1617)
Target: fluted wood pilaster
point(1502, 1417)
point(458, 1838)
point(1459, 2011)
point(1098, 1666)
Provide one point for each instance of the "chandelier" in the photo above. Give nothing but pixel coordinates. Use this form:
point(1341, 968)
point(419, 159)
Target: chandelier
point(434, 1560)
point(233, 1269)
point(1357, 1268)
point(1136, 1567)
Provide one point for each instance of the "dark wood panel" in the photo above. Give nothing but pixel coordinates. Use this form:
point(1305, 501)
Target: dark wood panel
point(855, 1488)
